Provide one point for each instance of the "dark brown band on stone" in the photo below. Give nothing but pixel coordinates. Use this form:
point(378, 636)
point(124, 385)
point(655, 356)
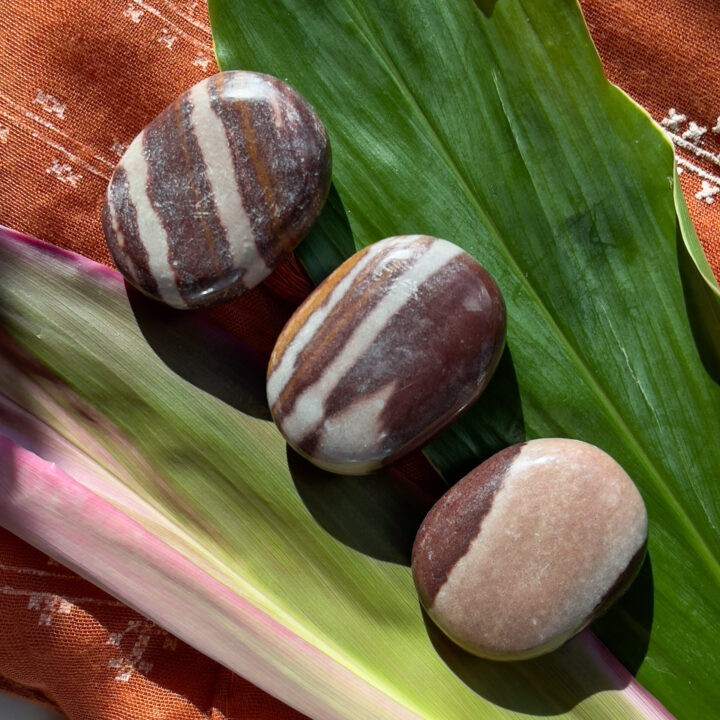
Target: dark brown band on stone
point(455, 521)
point(302, 170)
point(133, 260)
point(239, 119)
point(282, 172)
point(187, 209)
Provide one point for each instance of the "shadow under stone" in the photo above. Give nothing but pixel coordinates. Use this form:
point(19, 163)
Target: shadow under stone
point(493, 423)
point(487, 7)
point(206, 356)
point(545, 686)
point(330, 240)
point(625, 628)
point(377, 514)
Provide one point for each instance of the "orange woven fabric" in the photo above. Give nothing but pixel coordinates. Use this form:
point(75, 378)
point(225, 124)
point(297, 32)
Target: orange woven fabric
point(78, 80)
point(666, 56)
point(62, 640)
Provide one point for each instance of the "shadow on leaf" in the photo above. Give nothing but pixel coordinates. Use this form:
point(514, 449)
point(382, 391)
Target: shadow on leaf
point(330, 240)
point(625, 627)
point(487, 7)
point(207, 357)
point(702, 303)
point(543, 686)
point(492, 423)
point(377, 515)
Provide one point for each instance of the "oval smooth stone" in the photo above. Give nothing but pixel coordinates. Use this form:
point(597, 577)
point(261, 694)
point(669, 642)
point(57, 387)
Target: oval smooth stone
point(211, 194)
point(529, 547)
point(385, 353)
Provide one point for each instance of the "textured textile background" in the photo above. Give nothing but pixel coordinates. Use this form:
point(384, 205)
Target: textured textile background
point(78, 80)
point(666, 56)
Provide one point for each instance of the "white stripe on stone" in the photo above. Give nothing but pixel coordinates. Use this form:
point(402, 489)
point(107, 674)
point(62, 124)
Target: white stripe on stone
point(280, 377)
point(220, 175)
point(362, 419)
point(308, 411)
point(285, 368)
point(248, 86)
point(150, 227)
point(277, 113)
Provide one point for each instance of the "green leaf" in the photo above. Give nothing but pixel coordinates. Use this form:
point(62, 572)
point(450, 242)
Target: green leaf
point(491, 124)
point(193, 512)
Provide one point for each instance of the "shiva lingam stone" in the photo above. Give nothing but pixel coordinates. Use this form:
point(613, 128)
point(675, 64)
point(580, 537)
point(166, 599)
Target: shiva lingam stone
point(385, 353)
point(216, 189)
point(529, 548)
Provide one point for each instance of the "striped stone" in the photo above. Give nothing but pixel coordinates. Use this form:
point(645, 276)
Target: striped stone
point(385, 353)
point(210, 195)
point(529, 548)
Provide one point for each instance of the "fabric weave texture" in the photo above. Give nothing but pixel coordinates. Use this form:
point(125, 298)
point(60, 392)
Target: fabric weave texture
point(78, 80)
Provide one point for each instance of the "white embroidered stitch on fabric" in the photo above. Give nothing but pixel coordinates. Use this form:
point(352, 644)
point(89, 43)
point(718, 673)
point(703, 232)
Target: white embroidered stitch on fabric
point(64, 173)
point(4, 134)
point(41, 121)
point(49, 606)
point(134, 13)
point(188, 14)
point(63, 169)
point(50, 104)
point(170, 26)
point(167, 38)
point(694, 132)
point(696, 170)
point(674, 120)
point(35, 571)
point(143, 630)
point(26, 120)
point(202, 61)
point(708, 192)
point(688, 141)
point(17, 592)
point(695, 149)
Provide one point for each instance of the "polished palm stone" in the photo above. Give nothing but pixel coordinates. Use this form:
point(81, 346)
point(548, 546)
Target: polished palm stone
point(529, 548)
point(211, 194)
point(385, 353)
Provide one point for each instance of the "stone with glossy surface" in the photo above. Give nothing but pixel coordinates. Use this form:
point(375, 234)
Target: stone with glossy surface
point(529, 547)
point(386, 352)
point(220, 185)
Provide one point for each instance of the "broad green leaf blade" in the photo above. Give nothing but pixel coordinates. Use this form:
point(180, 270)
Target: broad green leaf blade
point(114, 455)
point(492, 125)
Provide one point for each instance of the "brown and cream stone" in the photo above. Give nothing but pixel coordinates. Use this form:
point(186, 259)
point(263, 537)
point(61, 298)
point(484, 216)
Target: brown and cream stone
point(220, 185)
point(386, 352)
point(529, 548)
